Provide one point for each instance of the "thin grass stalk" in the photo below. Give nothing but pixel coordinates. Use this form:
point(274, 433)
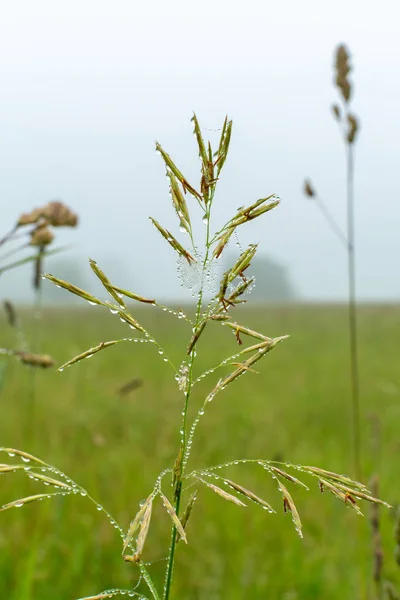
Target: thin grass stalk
point(171, 557)
point(353, 332)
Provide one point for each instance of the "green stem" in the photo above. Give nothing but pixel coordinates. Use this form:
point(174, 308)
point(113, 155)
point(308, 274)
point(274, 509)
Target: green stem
point(354, 374)
point(171, 560)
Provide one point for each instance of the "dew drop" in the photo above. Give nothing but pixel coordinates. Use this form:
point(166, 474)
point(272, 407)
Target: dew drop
point(92, 303)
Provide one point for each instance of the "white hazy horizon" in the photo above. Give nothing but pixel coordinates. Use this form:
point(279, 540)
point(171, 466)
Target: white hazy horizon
point(87, 88)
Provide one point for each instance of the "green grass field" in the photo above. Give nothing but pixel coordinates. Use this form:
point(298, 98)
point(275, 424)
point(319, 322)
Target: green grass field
point(296, 408)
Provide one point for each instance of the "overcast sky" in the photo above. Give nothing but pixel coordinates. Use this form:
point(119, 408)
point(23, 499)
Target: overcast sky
point(88, 86)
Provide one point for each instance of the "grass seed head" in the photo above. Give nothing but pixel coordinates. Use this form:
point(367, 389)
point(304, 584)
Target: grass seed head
point(223, 493)
point(36, 360)
point(11, 313)
point(343, 68)
point(175, 519)
point(336, 112)
point(172, 241)
point(353, 128)
point(308, 189)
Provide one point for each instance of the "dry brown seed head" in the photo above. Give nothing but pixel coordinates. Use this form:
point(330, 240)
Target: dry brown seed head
point(343, 68)
point(353, 127)
point(336, 112)
point(10, 313)
point(308, 189)
point(59, 215)
point(29, 218)
point(36, 360)
point(41, 236)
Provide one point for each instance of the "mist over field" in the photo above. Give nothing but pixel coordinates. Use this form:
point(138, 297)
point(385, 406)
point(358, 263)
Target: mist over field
point(87, 91)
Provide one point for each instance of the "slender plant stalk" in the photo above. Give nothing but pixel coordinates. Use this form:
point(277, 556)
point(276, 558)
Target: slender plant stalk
point(171, 558)
point(354, 367)
point(349, 127)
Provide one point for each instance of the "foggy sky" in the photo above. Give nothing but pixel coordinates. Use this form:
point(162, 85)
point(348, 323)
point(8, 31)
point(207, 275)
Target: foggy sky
point(87, 87)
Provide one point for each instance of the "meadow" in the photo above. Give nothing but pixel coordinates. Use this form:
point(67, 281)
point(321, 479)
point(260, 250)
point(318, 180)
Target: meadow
point(296, 409)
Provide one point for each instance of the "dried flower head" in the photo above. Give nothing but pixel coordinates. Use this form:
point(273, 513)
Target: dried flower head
point(41, 236)
point(308, 189)
point(54, 213)
point(29, 218)
point(343, 68)
point(59, 215)
point(353, 128)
